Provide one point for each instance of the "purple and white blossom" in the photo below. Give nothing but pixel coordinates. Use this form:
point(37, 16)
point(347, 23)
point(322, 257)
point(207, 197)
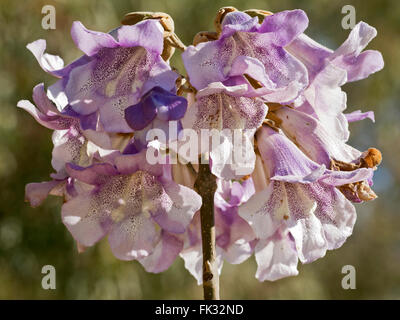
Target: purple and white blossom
point(271, 97)
point(246, 47)
point(328, 70)
point(111, 76)
point(296, 200)
point(138, 206)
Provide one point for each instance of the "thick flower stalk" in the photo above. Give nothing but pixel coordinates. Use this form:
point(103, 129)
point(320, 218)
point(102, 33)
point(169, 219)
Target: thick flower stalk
point(246, 155)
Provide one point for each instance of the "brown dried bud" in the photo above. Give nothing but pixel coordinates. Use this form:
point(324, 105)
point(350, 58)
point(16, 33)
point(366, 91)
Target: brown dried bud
point(272, 116)
point(371, 158)
point(135, 17)
point(204, 36)
point(220, 17)
point(358, 190)
point(361, 189)
point(261, 14)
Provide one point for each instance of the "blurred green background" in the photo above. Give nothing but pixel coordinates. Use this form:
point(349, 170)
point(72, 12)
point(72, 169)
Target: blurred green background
point(31, 238)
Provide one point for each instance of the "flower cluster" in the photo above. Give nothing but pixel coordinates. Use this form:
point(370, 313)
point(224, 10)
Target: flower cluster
point(284, 193)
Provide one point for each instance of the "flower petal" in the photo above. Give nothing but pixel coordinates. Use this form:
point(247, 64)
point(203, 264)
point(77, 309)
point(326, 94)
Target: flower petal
point(358, 115)
point(36, 193)
point(90, 42)
point(349, 57)
point(49, 63)
point(148, 34)
point(284, 160)
point(314, 139)
point(184, 203)
point(87, 222)
point(164, 254)
point(276, 258)
point(133, 238)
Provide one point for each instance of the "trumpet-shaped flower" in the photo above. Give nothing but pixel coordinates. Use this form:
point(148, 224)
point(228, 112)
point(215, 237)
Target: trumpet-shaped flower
point(297, 200)
point(141, 209)
point(111, 76)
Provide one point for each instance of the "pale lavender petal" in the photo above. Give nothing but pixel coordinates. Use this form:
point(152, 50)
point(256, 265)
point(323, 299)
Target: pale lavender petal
point(259, 211)
point(133, 238)
point(237, 21)
point(234, 156)
point(349, 57)
point(49, 63)
point(90, 42)
point(95, 174)
point(238, 252)
point(130, 163)
point(176, 217)
point(284, 160)
point(314, 139)
point(285, 26)
point(276, 257)
point(311, 53)
point(358, 116)
point(321, 219)
point(69, 147)
point(148, 34)
point(36, 193)
point(164, 254)
point(193, 260)
point(339, 178)
point(45, 112)
point(85, 220)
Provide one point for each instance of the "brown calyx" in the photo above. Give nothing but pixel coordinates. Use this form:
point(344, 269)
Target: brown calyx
point(220, 17)
point(204, 36)
point(361, 189)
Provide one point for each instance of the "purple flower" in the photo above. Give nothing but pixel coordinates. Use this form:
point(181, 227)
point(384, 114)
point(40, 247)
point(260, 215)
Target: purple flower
point(297, 200)
point(155, 110)
point(234, 237)
point(137, 205)
point(112, 75)
point(328, 70)
point(231, 120)
point(69, 145)
point(265, 104)
point(247, 48)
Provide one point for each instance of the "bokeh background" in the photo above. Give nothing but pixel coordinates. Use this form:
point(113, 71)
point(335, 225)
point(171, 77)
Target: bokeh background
point(31, 238)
